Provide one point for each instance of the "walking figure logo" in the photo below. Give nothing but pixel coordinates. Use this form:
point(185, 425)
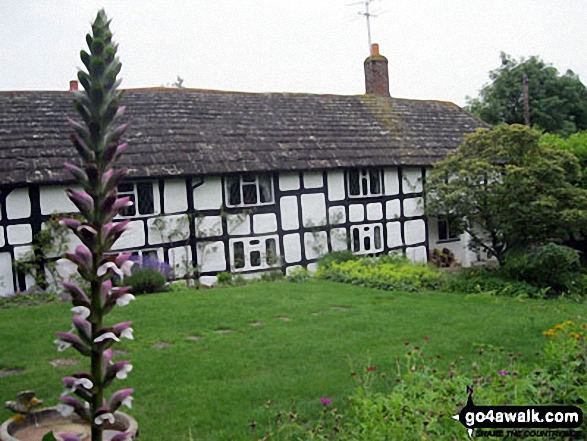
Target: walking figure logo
point(520, 417)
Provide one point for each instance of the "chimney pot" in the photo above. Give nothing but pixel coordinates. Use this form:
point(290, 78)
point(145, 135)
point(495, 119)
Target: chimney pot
point(374, 50)
point(376, 73)
point(73, 86)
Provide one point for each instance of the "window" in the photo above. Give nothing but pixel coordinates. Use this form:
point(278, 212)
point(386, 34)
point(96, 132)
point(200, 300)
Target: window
point(249, 189)
point(444, 229)
point(364, 182)
point(367, 239)
point(141, 195)
point(254, 253)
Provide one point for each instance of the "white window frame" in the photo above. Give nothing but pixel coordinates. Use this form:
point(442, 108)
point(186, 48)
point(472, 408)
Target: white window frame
point(135, 194)
point(367, 231)
point(251, 245)
point(365, 173)
point(242, 183)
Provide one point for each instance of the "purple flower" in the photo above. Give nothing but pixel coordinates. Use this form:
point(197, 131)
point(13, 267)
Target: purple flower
point(502, 372)
point(325, 401)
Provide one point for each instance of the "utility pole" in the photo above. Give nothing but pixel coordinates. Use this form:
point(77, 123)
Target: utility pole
point(526, 100)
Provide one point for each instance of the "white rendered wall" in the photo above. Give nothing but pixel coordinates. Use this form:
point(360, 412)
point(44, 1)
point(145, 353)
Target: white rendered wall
point(53, 199)
point(208, 196)
point(18, 204)
point(175, 196)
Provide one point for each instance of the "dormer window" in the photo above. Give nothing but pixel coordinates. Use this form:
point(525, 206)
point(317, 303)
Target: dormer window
point(248, 190)
point(364, 182)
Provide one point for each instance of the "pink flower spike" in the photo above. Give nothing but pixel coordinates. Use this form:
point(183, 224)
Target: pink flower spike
point(83, 201)
point(122, 368)
point(106, 336)
point(78, 297)
point(503, 372)
point(76, 172)
point(119, 398)
point(103, 269)
point(106, 287)
point(81, 311)
point(84, 253)
point(83, 326)
point(72, 340)
point(123, 330)
point(371, 368)
point(107, 357)
point(70, 223)
point(122, 203)
point(325, 401)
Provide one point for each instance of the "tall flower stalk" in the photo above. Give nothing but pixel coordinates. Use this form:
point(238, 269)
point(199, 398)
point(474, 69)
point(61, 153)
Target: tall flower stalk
point(97, 140)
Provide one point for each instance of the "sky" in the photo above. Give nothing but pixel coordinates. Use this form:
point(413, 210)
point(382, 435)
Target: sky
point(437, 49)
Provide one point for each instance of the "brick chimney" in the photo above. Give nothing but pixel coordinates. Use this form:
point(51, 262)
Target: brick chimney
point(376, 73)
point(73, 86)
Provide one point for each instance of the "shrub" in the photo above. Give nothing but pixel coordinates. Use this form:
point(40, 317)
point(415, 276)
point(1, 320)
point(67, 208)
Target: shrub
point(271, 276)
point(337, 257)
point(146, 281)
point(490, 281)
point(148, 275)
point(299, 275)
point(551, 265)
point(390, 273)
point(224, 278)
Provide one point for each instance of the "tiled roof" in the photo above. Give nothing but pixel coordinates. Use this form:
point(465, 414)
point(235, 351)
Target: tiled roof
point(196, 132)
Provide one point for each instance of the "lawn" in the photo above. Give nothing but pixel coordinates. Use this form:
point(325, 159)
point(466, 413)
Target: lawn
point(285, 342)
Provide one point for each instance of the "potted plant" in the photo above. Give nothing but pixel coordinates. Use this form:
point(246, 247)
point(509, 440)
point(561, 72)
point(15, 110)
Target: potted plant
point(96, 138)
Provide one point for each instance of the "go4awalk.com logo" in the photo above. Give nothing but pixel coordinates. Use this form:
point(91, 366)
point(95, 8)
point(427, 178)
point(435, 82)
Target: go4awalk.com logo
point(516, 421)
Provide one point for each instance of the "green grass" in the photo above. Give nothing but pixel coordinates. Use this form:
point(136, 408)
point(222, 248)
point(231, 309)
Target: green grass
point(215, 386)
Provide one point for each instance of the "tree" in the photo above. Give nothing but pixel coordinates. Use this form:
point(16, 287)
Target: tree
point(558, 103)
point(508, 191)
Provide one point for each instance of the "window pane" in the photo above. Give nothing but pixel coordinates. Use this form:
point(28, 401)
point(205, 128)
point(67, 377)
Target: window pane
point(250, 193)
point(364, 186)
point(239, 255)
point(129, 211)
point(248, 177)
point(234, 191)
point(375, 181)
point(356, 240)
point(265, 189)
point(377, 238)
point(442, 228)
point(145, 193)
point(367, 243)
point(354, 183)
point(255, 258)
point(271, 252)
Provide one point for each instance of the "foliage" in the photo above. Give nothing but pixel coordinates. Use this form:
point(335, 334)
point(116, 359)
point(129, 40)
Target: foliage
point(417, 402)
point(146, 281)
point(575, 144)
point(31, 297)
point(53, 240)
point(224, 279)
point(271, 276)
point(337, 257)
point(558, 103)
point(551, 265)
point(299, 275)
point(508, 191)
point(490, 281)
point(97, 140)
point(385, 272)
